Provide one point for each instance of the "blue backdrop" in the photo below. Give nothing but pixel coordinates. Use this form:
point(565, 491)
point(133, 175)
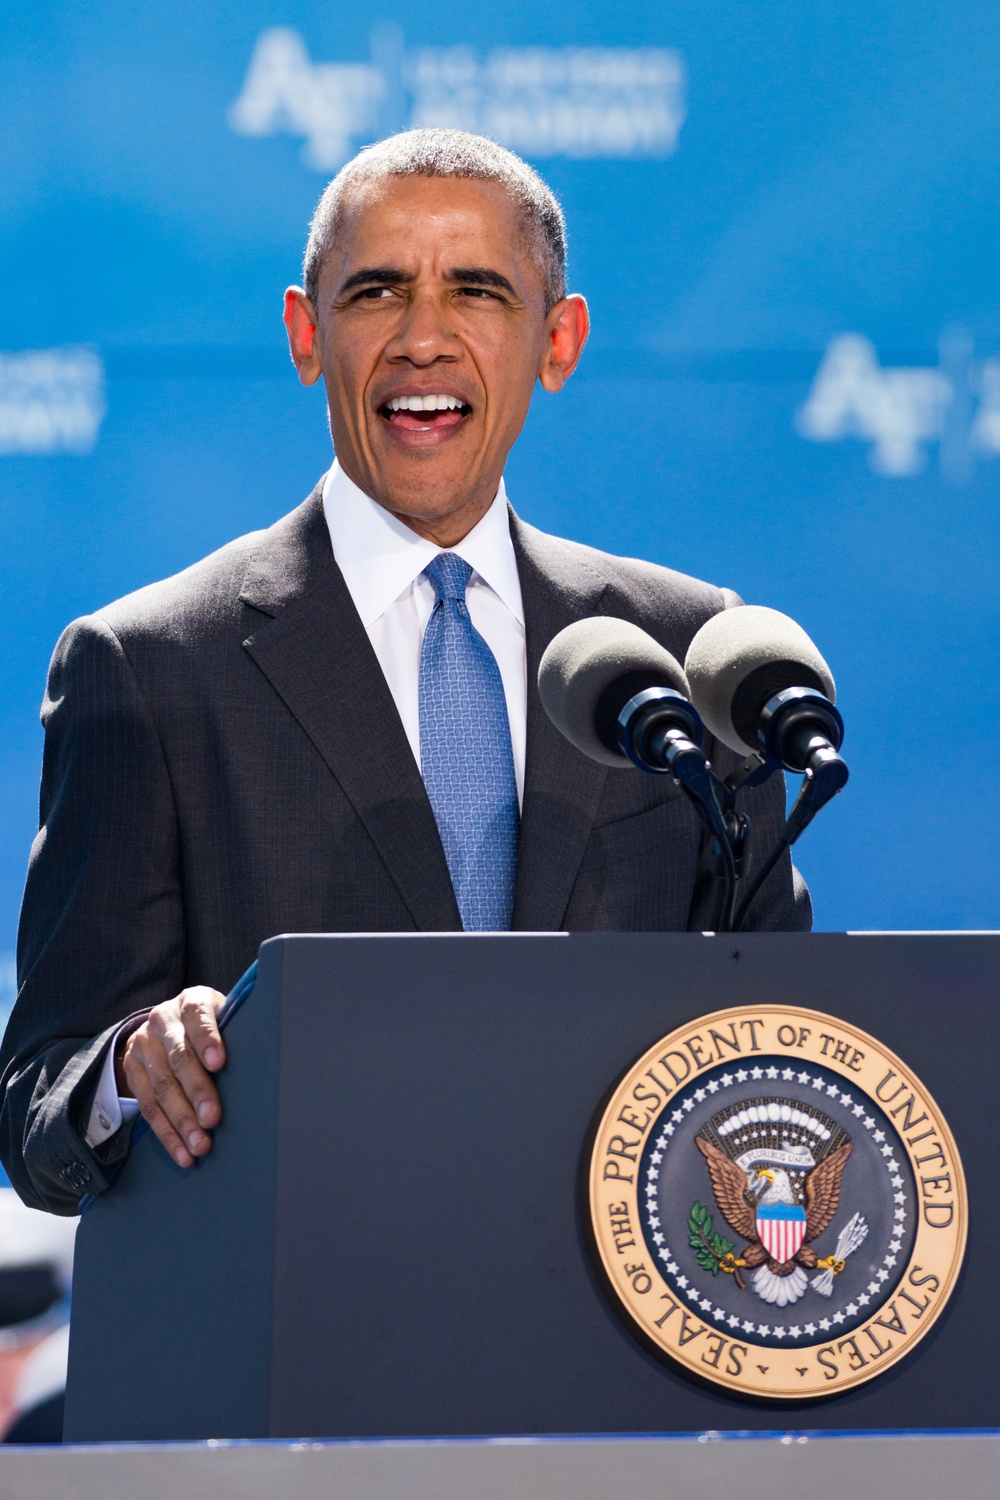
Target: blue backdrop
point(786, 221)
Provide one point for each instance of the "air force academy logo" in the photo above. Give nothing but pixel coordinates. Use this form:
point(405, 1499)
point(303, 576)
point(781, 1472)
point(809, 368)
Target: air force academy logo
point(777, 1202)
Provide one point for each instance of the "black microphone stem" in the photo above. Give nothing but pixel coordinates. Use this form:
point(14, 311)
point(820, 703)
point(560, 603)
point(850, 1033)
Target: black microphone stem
point(660, 732)
point(725, 885)
point(757, 882)
point(826, 775)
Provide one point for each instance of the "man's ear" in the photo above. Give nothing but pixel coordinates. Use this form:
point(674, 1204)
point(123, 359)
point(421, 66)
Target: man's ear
point(300, 322)
point(566, 330)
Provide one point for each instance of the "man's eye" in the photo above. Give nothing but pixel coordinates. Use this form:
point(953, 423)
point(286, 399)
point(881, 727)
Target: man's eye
point(370, 293)
point(476, 291)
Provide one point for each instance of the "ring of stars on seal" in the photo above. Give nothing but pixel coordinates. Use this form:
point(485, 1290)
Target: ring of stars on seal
point(776, 1202)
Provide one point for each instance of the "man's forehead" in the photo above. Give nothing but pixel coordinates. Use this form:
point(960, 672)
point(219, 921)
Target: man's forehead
point(421, 211)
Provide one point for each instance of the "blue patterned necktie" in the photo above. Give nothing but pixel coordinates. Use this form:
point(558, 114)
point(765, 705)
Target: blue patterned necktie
point(465, 754)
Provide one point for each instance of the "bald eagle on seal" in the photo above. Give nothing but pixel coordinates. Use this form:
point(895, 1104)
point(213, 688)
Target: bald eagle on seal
point(748, 1201)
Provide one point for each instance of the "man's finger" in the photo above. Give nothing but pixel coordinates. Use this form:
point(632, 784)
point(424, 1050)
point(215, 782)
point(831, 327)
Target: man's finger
point(165, 1132)
point(192, 1077)
point(156, 1119)
point(198, 1007)
point(158, 1093)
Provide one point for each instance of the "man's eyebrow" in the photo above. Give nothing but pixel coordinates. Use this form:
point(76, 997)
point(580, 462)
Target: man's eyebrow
point(374, 276)
point(393, 276)
point(480, 276)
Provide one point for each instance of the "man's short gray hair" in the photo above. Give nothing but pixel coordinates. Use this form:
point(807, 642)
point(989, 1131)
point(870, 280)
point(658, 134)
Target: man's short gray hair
point(447, 153)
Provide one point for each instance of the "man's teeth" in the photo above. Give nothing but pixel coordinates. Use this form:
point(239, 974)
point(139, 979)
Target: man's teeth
point(424, 403)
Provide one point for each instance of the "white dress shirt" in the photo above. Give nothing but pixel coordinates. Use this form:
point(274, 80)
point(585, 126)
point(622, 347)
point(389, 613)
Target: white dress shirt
point(382, 561)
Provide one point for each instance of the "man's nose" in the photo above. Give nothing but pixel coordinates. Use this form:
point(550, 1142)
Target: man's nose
point(426, 332)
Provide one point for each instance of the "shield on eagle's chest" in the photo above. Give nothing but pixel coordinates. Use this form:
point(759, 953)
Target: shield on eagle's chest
point(782, 1228)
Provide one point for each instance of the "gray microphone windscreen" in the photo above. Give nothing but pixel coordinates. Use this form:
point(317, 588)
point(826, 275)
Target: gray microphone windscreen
point(589, 672)
point(739, 659)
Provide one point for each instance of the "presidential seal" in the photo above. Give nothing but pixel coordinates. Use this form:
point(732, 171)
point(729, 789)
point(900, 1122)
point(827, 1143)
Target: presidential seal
point(777, 1202)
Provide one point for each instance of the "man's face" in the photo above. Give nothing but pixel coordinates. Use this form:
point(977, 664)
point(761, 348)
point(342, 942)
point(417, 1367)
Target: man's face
point(430, 292)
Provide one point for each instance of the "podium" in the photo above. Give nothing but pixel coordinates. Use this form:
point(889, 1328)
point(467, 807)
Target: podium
point(389, 1237)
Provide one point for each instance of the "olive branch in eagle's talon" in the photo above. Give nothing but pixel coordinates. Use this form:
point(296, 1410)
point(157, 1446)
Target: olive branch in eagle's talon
point(711, 1250)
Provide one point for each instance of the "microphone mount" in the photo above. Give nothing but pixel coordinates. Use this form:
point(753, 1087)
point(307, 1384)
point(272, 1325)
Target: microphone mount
point(661, 732)
point(658, 731)
point(800, 730)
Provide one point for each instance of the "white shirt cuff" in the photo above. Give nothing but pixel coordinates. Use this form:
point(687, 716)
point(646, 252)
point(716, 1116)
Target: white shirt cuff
point(109, 1112)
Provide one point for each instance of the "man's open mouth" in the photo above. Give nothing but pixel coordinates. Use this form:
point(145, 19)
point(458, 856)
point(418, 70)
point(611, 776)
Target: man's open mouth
point(422, 413)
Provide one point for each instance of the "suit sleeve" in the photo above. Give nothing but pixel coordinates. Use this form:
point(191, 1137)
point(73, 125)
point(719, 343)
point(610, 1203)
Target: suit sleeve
point(102, 930)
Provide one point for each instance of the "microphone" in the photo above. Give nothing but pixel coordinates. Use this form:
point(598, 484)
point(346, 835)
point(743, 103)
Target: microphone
point(621, 698)
point(751, 675)
point(760, 685)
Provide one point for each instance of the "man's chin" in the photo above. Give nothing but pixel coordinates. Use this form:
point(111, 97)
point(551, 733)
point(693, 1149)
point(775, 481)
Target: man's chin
point(426, 475)
point(428, 496)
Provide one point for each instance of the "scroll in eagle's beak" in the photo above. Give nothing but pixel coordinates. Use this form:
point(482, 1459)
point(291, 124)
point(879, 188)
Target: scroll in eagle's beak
point(765, 1176)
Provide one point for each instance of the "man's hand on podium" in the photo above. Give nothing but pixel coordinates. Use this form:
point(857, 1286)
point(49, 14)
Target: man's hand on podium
point(166, 1066)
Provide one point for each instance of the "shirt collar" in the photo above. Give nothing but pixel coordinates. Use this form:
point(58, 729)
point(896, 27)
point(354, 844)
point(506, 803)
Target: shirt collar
point(380, 557)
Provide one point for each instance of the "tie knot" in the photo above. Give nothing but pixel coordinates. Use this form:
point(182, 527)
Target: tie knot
point(449, 574)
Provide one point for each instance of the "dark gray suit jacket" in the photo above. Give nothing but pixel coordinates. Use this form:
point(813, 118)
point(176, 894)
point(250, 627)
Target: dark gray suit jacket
point(224, 762)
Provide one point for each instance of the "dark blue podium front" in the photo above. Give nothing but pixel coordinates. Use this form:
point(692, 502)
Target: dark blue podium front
point(389, 1237)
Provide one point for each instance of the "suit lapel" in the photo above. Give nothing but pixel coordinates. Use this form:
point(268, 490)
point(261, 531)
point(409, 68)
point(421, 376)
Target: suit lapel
point(562, 788)
point(315, 652)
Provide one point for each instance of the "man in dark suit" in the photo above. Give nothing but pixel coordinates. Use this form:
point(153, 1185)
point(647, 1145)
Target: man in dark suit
point(273, 740)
